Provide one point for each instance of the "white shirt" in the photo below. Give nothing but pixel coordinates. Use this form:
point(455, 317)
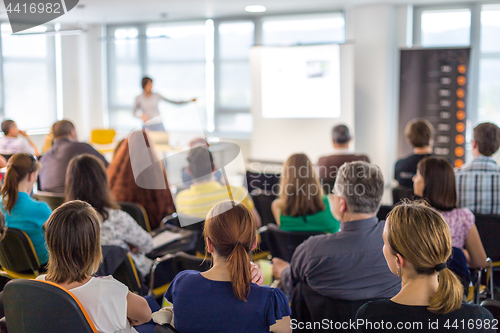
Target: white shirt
point(105, 300)
point(9, 145)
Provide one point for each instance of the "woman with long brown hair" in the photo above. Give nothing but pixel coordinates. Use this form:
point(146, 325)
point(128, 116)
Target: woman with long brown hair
point(417, 245)
point(301, 205)
point(20, 210)
point(235, 303)
point(156, 197)
point(435, 183)
point(86, 180)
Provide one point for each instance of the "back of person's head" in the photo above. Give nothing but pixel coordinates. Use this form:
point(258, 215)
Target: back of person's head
point(301, 192)
point(419, 132)
point(62, 128)
point(200, 163)
point(340, 134)
point(87, 180)
point(73, 240)
point(3, 228)
point(231, 230)
point(361, 184)
point(19, 167)
point(487, 137)
point(145, 80)
point(7, 125)
point(440, 189)
point(420, 235)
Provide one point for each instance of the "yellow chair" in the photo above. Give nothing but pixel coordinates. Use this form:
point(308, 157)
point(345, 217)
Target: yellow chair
point(103, 140)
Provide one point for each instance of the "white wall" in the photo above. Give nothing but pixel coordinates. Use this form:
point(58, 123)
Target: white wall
point(276, 139)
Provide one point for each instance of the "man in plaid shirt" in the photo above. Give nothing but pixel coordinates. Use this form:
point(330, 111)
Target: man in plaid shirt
point(478, 183)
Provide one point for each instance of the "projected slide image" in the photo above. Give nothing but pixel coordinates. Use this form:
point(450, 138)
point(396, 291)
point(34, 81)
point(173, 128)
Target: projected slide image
point(301, 82)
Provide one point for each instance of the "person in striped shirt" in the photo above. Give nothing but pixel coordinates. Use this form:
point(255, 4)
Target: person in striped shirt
point(206, 192)
point(478, 183)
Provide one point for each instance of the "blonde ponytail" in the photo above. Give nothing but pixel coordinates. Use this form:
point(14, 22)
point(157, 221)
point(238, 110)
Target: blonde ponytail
point(449, 295)
point(420, 235)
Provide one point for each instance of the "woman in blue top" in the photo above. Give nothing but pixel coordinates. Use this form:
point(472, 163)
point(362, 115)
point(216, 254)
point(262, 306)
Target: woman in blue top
point(20, 210)
point(223, 299)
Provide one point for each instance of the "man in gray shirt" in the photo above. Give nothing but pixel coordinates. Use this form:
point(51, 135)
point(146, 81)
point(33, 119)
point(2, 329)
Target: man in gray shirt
point(349, 264)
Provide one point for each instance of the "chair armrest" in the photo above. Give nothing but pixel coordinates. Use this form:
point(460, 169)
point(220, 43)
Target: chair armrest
point(165, 329)
point(3, 325)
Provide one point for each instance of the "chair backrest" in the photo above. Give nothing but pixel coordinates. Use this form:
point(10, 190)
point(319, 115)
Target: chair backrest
point(457, 263)
point(493, 306)
point(399, 193)
point(262, 181)
point(282, 244)
point(117, 262)
point(102, 136)
point(54, 200)
point(38, 307)
point(165, 329)
point(488, 227)
point(183, 261)
point(383, 211)
point(197, 228)
point(128, 274)
point(309, 306)
point(17, 254)
point(138, 213)
point(327, 185)
point(263, 201)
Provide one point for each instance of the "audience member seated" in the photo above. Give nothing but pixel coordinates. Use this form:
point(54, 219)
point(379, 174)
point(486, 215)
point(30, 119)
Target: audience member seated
point(158, 203)
point(15, 141)
point(20, 210)
point(346, 265)
point(73, 233)
point(417, 244)
point(302, 205)
point(86, 180)
point(223, 299)
point(478, 182)
point(55, 161)
point(187, 180)
point(419, 133)
point(206, 192)
point(328, 166)
point(435, 182)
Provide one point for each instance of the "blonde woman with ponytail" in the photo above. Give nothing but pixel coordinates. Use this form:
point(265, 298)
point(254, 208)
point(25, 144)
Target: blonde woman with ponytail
point(20, 210)
point(224, 299)
point(417, 245)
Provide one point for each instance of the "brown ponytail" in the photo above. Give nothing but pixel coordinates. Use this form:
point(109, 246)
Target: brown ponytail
point(231, 230)
point(18, 167)
point(420, 235)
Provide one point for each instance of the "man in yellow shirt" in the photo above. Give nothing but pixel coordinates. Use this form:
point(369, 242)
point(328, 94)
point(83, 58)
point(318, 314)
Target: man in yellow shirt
point(205, 192)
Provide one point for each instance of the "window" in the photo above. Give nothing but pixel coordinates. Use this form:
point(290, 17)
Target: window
point(446, 27)
point(28, 78)
point(304, 29)
point(489, 68)
point(234, 91)
point(473, 25)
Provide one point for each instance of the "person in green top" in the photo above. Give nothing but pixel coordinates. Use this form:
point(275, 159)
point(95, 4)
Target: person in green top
point(302, 206)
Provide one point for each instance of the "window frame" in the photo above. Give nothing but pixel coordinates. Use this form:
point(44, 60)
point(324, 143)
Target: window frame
point(218, 110)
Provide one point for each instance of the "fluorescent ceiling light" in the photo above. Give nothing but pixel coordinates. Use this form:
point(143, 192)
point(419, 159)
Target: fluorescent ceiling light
point(255, 9)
